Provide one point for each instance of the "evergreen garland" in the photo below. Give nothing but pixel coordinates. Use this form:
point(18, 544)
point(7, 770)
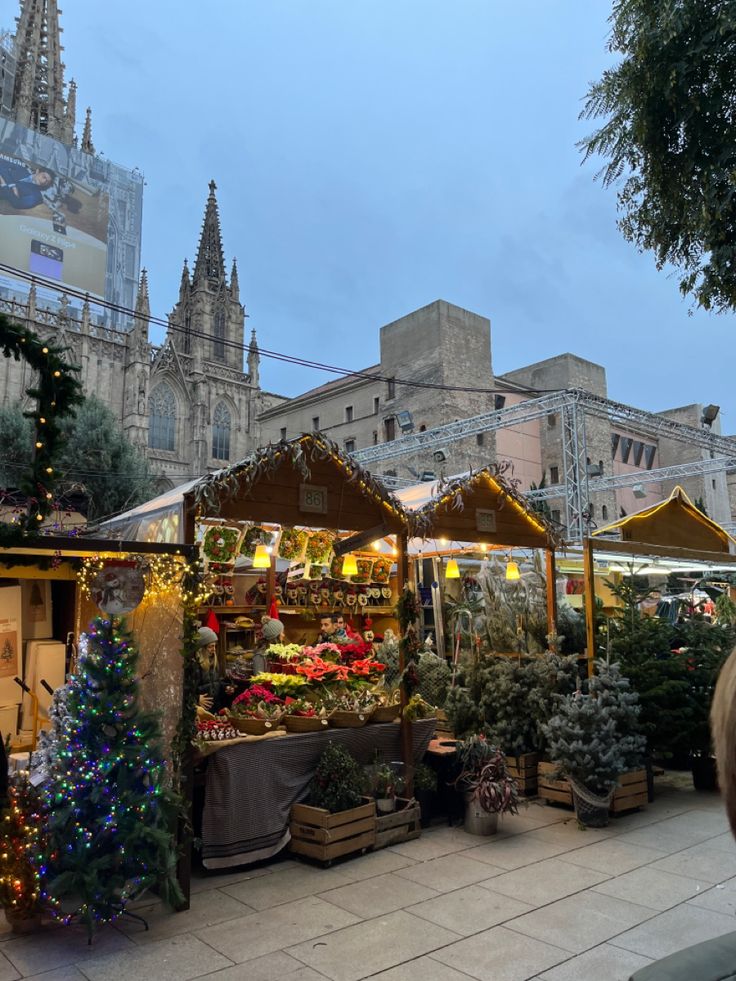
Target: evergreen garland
point(56, 396)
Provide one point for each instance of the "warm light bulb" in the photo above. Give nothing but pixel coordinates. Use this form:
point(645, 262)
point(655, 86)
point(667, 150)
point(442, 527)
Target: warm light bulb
point(45, 350)
point(512, 570)
point(349, 565)
point(452, 570)
point(377, 546)
point(261, 559)
point(39, 446)
point(483, 547)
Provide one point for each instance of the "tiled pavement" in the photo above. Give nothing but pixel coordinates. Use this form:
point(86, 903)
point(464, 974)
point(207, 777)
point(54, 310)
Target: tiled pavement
point(540, 900)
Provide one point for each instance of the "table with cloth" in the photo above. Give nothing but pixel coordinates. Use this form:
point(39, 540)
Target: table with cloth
point(250, 787)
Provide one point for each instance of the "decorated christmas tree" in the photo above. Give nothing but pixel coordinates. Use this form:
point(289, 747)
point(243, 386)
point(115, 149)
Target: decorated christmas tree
point(110, 814)
point(21, 833)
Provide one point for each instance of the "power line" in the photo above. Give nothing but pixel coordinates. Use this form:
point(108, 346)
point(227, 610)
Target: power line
point(346, 373)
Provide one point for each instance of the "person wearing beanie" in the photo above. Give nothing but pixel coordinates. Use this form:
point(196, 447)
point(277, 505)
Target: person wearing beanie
point(272, 632)
point(210, 686)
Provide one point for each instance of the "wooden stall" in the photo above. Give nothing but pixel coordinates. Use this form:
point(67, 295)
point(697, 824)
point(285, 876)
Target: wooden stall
point(481, 511)
point(45, 608)
point(305, 485)
point(673, 528)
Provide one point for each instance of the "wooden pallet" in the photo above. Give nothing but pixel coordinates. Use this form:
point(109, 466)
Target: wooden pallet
point(524, 769)
point(402, 824)
point(318, 834)
point(630, 795)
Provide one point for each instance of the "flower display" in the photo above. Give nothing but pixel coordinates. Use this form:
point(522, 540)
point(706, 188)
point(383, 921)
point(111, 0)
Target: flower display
point(280, 683)
point(285, 652)
point(270, 710)
point(257, 693)
point(302, 708)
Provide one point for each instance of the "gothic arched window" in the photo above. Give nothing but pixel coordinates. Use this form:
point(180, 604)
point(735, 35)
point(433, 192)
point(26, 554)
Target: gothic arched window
point(221, 432)
point(162, 418)
point(218, 345)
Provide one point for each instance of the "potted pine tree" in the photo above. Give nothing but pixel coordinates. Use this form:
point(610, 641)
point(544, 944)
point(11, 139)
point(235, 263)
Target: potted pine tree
point(594, 738)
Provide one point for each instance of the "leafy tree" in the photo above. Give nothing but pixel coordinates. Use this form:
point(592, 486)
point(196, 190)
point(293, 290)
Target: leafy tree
point(16, 439)
point(669, 111)
point(97, 459)
point(541, 507)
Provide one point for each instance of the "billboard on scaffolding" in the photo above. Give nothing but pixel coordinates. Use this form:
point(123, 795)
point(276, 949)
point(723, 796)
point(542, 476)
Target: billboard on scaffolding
point(69, 217)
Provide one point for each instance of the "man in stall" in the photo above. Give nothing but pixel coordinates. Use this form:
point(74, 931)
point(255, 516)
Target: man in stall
point(329, 631)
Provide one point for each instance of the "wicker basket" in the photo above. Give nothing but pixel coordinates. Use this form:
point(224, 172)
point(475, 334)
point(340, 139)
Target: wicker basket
point(253, 727)
point(348, 720)
point(304, 723)
point(386, 713)
point(591, 810)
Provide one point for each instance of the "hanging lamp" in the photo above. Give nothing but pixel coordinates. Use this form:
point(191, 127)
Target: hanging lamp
point(452, 571)
point(261, 558)
point(349, 565)
point(512, 571)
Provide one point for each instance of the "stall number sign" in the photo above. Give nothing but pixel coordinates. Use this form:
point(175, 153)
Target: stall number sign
point(313, 499)
point(485, 520)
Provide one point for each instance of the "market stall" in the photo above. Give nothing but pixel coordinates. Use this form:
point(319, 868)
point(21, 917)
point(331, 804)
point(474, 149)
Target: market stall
point(673, 528)
point(287, 535)
point(478, 526)
point(51, 591)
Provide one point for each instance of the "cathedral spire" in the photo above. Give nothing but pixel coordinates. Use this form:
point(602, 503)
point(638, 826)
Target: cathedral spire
point(254, 359)
point(234, 284)
point(209, 268)
point(70, 113)
point(38, 91)
point(186, 284)
point(87, 144)
point(142, 304)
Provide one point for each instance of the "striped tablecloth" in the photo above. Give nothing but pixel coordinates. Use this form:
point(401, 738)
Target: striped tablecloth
point(250, 787)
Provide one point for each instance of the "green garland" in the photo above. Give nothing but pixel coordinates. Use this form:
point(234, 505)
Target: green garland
point(58, 394)
point(407, 613)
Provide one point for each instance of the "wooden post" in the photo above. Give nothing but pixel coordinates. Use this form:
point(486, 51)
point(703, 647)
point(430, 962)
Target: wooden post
point(551, 595)
point(589, 580)
point(407, 743)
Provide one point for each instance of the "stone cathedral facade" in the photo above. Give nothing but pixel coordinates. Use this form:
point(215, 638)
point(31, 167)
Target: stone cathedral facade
point(192, 403)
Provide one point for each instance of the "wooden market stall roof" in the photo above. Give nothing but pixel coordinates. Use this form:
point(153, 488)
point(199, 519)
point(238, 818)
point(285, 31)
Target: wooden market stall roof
point(674, 523)
point(305, 481)
point(480, 507)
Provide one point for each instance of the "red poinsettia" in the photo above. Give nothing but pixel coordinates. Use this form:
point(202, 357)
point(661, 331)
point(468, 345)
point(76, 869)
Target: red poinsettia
point(257, 693)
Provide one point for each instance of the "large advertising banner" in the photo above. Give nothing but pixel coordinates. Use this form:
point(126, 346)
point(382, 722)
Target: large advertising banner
point(54, 214)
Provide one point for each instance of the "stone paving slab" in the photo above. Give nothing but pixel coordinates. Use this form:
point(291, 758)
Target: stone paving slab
point(674, 930)
point(367, 948)
point(541, 900)
point(605, 963)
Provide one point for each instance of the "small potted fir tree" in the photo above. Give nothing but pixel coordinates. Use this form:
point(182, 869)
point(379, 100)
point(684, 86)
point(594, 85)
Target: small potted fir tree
point(594, 738)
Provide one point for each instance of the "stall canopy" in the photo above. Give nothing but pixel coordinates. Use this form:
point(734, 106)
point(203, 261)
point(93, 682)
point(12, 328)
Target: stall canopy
point(306, 481)
point(479, 507)
point(672, 523)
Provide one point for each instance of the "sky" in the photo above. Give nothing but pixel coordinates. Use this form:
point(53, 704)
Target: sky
point(372, 156)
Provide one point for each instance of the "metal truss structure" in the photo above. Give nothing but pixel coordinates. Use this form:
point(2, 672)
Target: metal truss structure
point(573, 405)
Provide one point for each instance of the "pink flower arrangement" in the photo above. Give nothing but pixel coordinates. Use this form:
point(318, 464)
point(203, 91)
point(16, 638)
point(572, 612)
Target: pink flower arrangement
point(257, 693)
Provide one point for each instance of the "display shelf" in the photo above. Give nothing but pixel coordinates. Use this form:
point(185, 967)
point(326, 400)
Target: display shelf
point(346, 610)
point(231, 609)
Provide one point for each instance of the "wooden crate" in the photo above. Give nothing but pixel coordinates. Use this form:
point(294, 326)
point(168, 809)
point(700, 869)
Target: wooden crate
point(524, 769)
point(630, 795)
point(549, 789)
point(318, 834)
point(443, 729)
point(401, 825)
